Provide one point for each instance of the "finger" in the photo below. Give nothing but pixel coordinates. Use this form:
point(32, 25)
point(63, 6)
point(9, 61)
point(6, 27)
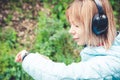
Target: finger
point(17, 57)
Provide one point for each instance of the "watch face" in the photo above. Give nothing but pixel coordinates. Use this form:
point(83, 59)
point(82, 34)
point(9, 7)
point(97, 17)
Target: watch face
point(24, 54)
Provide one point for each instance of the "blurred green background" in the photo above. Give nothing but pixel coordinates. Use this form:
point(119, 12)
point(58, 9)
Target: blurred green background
point(37, 26)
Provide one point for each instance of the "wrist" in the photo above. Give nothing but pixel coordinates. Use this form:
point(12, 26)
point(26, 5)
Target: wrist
point(24, 54)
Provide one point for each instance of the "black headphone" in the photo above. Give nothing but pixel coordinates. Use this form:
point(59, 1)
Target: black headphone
point(100, 20)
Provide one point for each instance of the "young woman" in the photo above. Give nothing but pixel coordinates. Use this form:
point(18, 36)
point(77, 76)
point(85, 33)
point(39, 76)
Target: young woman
point(92, 24)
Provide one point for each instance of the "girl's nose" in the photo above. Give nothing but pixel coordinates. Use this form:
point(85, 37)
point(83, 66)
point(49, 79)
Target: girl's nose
point(71, 31)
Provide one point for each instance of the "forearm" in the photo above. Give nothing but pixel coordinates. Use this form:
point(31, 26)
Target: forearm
point(39, 67)
point(97, 68)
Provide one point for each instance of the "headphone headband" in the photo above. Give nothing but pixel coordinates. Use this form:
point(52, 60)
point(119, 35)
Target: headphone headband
point(99, 6)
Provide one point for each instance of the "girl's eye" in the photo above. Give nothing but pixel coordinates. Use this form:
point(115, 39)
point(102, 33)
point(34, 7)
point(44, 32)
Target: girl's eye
point(76, 26)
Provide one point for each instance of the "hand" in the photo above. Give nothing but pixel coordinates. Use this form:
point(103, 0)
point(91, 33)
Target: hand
point(19, 56)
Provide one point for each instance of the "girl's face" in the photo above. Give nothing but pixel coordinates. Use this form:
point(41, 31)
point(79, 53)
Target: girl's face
point(77, 34)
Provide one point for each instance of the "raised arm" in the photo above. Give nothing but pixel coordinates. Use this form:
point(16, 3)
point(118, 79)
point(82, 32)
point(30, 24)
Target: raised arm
point(100, 67)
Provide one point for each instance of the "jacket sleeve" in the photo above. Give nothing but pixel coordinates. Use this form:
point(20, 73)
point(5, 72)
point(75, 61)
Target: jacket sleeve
point(96, 68)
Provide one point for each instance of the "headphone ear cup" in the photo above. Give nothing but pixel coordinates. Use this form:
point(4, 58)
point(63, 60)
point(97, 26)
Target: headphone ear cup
point(99, 24)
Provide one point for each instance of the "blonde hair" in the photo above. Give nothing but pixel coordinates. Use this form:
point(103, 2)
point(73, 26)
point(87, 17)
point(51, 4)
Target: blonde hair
point(82, 12)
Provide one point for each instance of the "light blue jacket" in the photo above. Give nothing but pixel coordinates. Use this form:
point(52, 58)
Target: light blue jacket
point(97, 64)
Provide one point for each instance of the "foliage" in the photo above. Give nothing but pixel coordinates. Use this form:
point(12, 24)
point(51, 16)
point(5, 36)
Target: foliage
point(116, 11)
point(8, 35)
point(9, 70)
point(52, 37)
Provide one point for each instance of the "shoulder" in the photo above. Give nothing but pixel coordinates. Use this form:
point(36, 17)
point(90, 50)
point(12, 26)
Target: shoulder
point(91, 52)
point(117, 40)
